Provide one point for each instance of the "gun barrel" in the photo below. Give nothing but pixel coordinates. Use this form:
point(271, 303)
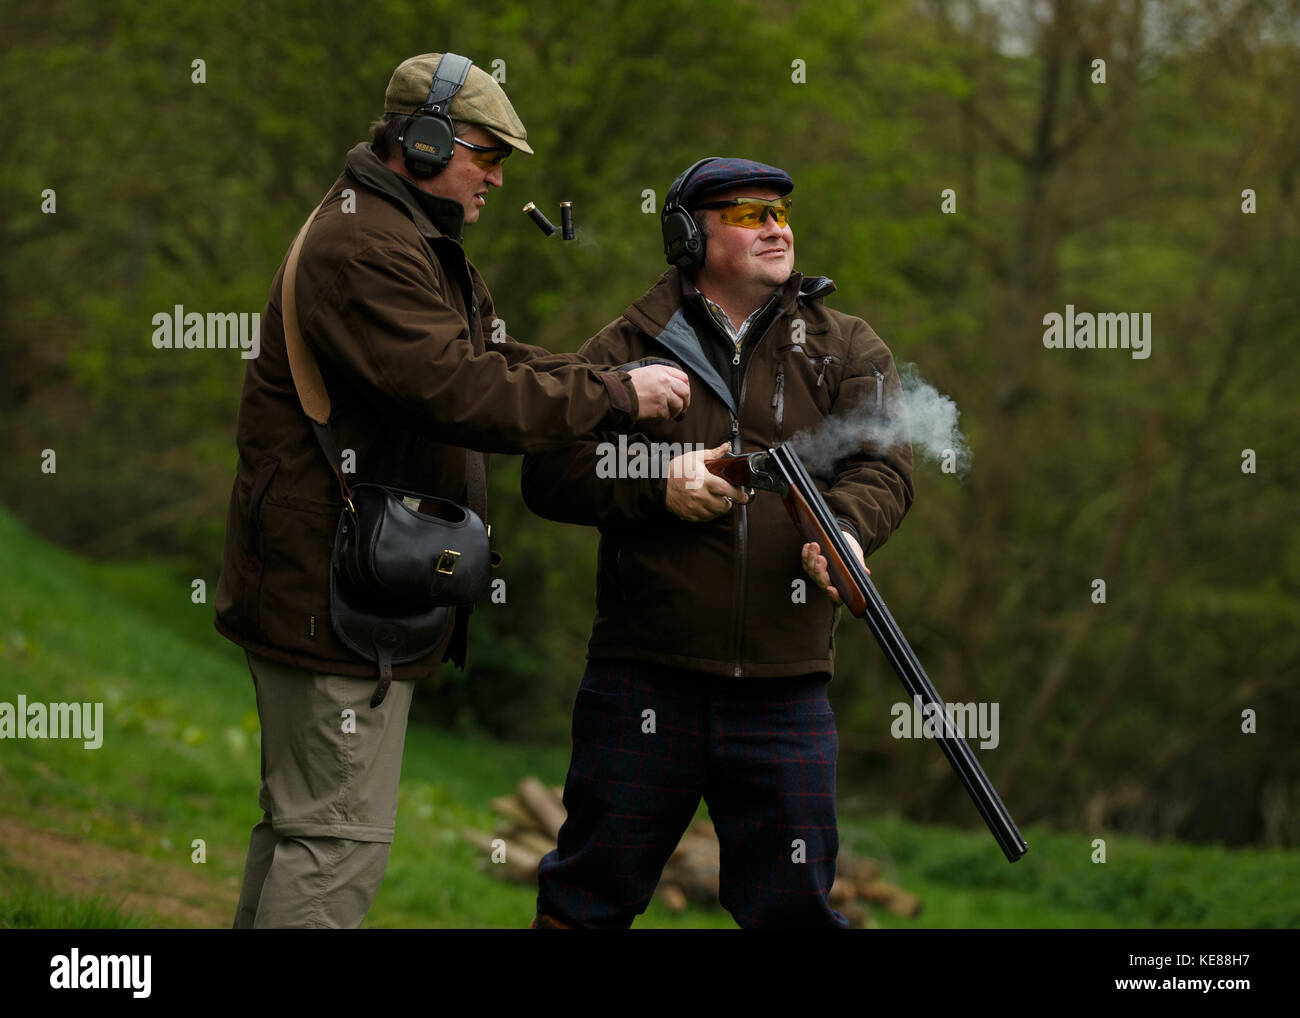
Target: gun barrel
point(903, 659)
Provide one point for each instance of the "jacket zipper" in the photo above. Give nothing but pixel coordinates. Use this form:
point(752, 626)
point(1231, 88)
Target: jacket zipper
point(827, 361)
point(778, 400)
point(736, 343)
point(742, 545)
point(742, 523)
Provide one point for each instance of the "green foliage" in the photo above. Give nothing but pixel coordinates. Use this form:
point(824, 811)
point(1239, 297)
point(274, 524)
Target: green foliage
point(1124, 196)
point(1141, 883)
point(24, 906)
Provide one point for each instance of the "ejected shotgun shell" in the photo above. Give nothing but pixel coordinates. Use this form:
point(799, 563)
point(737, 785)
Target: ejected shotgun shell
point(566, 220)
point(537, 216)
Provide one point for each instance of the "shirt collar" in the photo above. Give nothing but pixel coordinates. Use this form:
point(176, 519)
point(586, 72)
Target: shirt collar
point(690, 291)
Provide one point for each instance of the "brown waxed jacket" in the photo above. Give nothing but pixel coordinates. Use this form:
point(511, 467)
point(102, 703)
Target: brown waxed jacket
point(400, 323)
point(720, 597)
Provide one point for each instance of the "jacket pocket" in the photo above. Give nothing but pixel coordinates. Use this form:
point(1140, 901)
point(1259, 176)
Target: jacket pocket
point(809, 381)
point(826, 363)
point(252, 599)
point(880, 386)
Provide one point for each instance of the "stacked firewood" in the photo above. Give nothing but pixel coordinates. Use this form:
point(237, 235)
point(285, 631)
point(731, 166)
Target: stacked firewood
point(530, 821)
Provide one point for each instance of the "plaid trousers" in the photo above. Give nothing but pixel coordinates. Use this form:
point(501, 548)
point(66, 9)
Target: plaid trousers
point(648, 742)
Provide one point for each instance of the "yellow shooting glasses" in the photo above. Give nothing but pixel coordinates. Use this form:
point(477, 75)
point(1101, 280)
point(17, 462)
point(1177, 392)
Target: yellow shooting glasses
point(485, 157)
point(751, 213)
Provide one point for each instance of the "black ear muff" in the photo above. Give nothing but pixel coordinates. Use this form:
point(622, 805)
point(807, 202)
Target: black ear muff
point(427, 145)
point(428, 139)
point(684, 242)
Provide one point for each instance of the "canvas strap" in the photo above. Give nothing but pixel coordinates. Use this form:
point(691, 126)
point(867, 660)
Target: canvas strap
point(314, 397)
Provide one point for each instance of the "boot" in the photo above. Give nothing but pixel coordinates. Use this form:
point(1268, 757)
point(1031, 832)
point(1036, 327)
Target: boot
point(544, 922)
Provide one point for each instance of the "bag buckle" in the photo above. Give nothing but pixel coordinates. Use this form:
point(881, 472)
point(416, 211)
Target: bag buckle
point(447, 561)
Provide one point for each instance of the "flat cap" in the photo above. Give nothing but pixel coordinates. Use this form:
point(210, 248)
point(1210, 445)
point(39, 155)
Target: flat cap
point(481, 100)
point(722, 174)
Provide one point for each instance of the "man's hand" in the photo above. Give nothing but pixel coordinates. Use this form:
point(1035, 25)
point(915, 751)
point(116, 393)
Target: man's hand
point(814, 564)
point(696, 495)
point(661, 391)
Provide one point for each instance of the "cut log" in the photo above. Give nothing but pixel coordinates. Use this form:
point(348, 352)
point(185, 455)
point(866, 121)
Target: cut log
point(518, 864)
point(842, 892)
point(534, 841)
point(900, 902)
point(509, 807)
point(860, 871)
point(697, 869)
point(542, 804)
point(671, 896)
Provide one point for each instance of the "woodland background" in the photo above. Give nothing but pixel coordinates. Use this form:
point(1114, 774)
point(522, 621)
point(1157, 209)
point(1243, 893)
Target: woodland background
point(1122, 196)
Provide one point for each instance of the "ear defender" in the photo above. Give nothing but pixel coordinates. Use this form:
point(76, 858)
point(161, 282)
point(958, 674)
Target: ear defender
point(684, 242)
point(428, 139)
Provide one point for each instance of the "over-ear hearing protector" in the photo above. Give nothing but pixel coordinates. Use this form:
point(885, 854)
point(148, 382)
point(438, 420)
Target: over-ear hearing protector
point(428, 139)
point(683, 240)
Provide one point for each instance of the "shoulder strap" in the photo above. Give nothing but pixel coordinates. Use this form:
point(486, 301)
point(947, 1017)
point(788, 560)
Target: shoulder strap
point(314, 397)
point(307, 380)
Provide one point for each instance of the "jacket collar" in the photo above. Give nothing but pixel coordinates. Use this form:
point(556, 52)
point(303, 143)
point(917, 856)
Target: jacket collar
point(433, 215)
point(659, 314)
point(652, 311)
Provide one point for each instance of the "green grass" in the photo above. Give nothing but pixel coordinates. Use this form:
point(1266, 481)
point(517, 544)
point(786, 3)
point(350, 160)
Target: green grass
point(25, 904)
point(180, 762)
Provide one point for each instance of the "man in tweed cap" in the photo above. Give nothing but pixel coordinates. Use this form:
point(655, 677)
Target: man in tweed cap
point(481, 115)
point(399, 321)
point(711, 649)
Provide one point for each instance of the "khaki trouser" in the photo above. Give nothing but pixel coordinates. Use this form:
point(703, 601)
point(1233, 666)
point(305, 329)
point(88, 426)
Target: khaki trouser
point(329, 792)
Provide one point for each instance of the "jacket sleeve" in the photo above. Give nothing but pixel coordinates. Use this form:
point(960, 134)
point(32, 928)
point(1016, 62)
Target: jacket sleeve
point(873, 490)
point(385, 322)
point(575, 484)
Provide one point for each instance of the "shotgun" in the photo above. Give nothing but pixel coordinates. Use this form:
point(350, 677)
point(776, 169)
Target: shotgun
point(780, 470)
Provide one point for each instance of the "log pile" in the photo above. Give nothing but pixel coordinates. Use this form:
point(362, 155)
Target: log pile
point(530, 820)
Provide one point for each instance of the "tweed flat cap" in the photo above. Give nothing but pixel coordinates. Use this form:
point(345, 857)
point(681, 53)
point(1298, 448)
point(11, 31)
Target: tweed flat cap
point(480, 100)
point(723, 174)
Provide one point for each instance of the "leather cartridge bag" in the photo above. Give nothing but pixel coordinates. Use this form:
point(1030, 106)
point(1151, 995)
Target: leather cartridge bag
point(412, 552)
point(401, 562)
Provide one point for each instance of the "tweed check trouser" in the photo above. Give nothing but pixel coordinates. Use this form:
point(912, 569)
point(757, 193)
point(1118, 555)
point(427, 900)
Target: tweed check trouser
point(648, 742)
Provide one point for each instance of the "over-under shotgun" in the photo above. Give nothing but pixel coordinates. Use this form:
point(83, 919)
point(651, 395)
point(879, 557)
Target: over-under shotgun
point(780, 470)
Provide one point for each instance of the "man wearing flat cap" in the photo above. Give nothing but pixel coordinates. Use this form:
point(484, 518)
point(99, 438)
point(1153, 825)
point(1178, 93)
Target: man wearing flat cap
point(397, 319)
point(709, 658)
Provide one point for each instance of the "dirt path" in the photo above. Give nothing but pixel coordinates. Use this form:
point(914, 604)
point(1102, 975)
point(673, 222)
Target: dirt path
point(176, 894)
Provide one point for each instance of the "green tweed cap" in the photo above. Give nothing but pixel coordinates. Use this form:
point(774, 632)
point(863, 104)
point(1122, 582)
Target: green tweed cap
point(480, 100)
